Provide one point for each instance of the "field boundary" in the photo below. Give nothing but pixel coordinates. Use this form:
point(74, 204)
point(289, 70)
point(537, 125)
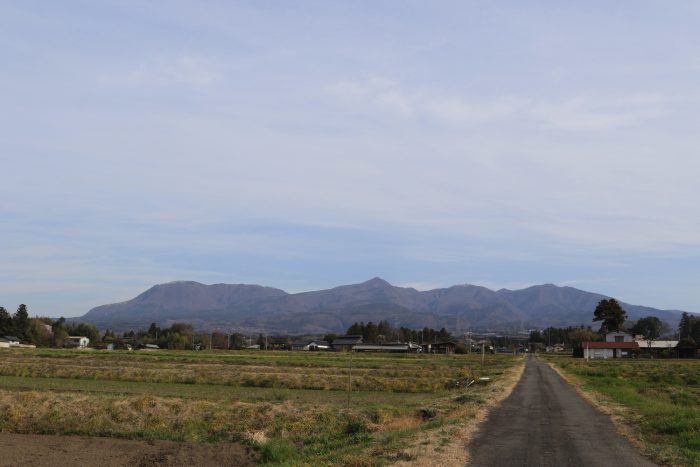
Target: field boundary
point(456, 451)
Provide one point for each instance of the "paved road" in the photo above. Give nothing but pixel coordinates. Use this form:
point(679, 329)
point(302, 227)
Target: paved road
point(544, 422)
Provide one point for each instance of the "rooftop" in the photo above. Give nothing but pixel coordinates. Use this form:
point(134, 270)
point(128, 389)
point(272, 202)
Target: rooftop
point(610, 345)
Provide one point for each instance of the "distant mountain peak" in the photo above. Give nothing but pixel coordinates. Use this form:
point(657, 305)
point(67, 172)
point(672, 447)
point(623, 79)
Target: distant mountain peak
point(256, 308)
point(377, 281)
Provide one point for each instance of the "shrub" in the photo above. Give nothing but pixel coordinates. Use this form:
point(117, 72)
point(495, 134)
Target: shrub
point(278, 450)
point(427, 413)
point(355, 426)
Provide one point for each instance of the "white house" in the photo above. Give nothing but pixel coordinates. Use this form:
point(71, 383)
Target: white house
point(312, 346)
point(12, 340)
point(76, 341)
point(4, 343)
point(555, 348)
point(619, 336)
point(616, 345)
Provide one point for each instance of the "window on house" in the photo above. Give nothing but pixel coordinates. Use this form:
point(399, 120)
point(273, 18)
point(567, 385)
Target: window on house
point(619, 338)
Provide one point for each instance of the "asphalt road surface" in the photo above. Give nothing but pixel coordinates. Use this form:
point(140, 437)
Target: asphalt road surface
point(544, 422)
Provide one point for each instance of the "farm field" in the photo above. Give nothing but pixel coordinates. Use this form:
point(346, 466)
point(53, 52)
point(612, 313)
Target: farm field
point(659, 400)
point(295, 408)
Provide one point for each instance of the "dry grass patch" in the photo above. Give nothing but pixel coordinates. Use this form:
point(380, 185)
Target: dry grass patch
point(448, 445)
point(295, 408)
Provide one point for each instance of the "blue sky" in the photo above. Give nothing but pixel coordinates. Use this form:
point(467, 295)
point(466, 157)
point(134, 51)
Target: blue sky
point(304, 145)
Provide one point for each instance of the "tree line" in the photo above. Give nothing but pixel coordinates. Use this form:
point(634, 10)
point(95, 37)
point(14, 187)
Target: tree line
point(384, 332)
point(613, 317)
point(181, 336)
point(689, 330)
point(42, 331)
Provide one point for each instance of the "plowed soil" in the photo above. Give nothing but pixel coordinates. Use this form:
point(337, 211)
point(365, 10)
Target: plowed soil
point(48, 450)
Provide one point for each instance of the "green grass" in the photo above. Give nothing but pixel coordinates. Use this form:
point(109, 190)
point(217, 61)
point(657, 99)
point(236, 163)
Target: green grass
point(210, 391)
point(298, 408)
point(662, 398)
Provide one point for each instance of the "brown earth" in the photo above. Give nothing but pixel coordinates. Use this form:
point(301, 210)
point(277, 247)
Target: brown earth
point(49, 450)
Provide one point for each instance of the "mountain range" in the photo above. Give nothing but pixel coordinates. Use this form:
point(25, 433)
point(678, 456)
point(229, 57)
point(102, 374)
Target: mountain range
point(254, 308)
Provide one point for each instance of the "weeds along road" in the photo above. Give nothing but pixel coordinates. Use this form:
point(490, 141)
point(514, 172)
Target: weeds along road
point(544, 422)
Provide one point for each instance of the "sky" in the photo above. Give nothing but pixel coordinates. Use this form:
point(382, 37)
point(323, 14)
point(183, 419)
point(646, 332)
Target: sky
point(309, 144)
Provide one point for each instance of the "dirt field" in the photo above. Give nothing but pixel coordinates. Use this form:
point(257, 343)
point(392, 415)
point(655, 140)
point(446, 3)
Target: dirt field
point(48, 450)
point(545, 422)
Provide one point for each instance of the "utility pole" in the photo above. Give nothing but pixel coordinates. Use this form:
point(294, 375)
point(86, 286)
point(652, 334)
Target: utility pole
point(483, 355)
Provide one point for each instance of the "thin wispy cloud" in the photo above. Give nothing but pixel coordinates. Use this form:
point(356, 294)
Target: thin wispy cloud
point(574, 113)
point(176, 70)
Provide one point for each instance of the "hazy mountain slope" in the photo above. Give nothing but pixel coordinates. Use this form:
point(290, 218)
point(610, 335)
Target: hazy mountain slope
point(184, 300)
point(257, 308)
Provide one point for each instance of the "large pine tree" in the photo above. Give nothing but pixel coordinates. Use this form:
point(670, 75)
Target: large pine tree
point(611, 315)
point(5, 322)
point(20, 322)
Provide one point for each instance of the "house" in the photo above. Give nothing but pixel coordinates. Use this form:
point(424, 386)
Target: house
point(278, 343)
point(4, 343)
point(609, 349)
point(79, 342)
point(346, 343)
point(12, 340)
point(311, 346)
point(408, 347)
point(556, 348)
point(656, 347)
point(619, 336)
point(443, 347)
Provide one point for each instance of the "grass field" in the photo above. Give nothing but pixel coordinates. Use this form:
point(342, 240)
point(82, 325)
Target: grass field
point(659, 399)
point(296, 407)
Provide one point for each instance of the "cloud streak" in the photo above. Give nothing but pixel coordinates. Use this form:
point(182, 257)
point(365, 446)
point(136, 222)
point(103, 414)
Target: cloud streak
point(176, 70)
point(575, 113)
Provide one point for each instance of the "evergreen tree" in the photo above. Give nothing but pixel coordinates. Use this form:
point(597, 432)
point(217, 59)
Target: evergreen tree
point(371, 332)
point(536, 336)
point(685, 326)
point(443, 335)
point(20, 322)
point(578, 335)
point(611, 315)
point(153, 330)
point(5, 322)
point(649, 327)
point(695, 331)
point(330, 337)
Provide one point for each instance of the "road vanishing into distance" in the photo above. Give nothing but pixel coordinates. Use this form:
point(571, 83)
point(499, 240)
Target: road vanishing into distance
point(545, 422)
